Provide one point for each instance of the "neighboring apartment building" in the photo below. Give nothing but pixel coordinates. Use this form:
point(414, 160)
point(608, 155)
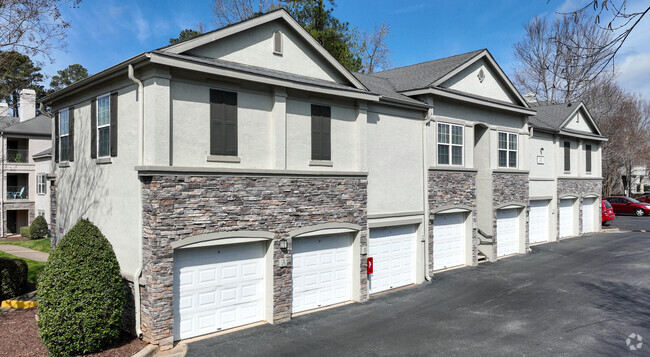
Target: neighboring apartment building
point(25, 188)
point(245, 175)
point(566, 172)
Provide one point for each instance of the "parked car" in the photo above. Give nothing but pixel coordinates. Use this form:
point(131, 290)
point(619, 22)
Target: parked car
point(622, 204)
point(645, 198)
point(606, 211)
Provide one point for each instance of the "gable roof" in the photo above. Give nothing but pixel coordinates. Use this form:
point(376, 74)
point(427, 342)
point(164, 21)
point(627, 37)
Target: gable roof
point(40, 125)
point(43, 154)
point(422, 75)
point(553, 117)
point(279, 14)
point(385, 88)
point(7, 121)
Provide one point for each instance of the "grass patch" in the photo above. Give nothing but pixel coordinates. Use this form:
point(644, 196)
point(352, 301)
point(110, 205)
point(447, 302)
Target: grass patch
point(42, 245)
point(34, 268)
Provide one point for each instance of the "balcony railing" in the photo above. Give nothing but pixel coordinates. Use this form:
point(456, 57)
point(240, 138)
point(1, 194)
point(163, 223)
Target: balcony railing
point(17, 155)
point(17, 192)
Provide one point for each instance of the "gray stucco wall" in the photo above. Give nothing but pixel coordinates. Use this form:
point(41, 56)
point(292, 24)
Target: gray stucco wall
point(177, 207)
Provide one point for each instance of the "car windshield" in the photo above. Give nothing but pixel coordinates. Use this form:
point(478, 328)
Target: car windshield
point(607, 205)
point(633, 200)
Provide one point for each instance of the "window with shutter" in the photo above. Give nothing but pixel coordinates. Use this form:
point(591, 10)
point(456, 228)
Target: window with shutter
point(64, 135)
point(321, 121)
point(567, 156)
point(223, 123)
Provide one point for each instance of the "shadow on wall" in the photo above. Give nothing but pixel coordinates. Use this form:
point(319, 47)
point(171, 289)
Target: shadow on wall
point(82, 188)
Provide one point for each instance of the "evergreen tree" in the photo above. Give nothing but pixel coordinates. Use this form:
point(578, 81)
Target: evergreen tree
point(18, 72)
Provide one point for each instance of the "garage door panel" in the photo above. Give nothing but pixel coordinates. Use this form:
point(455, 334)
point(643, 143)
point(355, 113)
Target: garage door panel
point(217, 288)
point(539, 221)
point(449, 240)
point(566, 218)
point(507, 232)
point(588, 215)
point(393, 252)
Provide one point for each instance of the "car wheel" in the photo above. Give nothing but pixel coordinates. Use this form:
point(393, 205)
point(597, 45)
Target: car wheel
point(639, 212)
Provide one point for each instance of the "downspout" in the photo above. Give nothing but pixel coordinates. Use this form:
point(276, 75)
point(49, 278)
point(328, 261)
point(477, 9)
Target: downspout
point(4, 185)
point(425, 191)
point(138, 271)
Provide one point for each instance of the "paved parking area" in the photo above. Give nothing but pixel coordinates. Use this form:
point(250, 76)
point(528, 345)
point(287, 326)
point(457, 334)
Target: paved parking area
point(581, 296)
point(630, 222)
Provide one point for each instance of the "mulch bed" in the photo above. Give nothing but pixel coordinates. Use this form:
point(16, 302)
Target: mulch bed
point(14, 237)
point(19, 336)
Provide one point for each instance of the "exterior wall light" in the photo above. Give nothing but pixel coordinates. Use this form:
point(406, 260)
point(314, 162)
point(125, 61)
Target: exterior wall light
point(283, 244)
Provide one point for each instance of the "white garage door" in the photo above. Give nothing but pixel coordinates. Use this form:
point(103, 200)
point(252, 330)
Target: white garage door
point(588, 215)
point(507, 232)
point(322, 271)
point(538, 223)
point(217, 288)
point(393, 253)
point(566, 218)
point(449, 240)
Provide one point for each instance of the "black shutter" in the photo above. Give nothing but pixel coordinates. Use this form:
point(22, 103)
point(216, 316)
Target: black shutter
point(325, 139)
point(217, 145)
point(93, 128)
point(315, 132)
point(71, 134)
point(588, 157)
point(567, 156)
point(56, 137)
point(230, 122)
point(113, 130)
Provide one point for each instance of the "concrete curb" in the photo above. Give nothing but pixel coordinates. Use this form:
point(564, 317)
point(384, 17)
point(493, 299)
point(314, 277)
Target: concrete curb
point(148, 351)
point(25, 301)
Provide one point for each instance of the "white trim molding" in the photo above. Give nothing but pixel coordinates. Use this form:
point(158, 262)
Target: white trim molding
point(325, 228)
point(222, 238)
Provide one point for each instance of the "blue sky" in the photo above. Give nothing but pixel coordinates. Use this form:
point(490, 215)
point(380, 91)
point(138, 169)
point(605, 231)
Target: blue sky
point(104, 33)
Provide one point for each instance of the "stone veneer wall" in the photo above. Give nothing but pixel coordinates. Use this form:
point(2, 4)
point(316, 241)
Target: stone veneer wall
point(509, 187)
point(452, 188)
point(177, 207)
point(579, 187)
point(18, 206)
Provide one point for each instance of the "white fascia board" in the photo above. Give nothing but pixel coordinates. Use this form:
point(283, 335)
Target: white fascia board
point(205, 68)
point(248, 24)
point(484, 54)
point(580, 136)
point(460, 97)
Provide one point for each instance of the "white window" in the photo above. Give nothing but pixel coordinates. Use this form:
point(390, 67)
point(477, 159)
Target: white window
point(41, 184)
point(64, 137)
point(104, 126)
point(450, 144)
point(508, 150)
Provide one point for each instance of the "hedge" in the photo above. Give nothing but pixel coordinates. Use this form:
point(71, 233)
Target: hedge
point(24, 231)
point(38, 229)
point(80, 294)
point(13, 278)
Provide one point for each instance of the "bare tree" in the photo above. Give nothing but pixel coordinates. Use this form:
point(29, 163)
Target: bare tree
point(557, 61)
point(375, 53)
point(624, 119)
point(226, 12)
point(615, 16)
point(33, 27)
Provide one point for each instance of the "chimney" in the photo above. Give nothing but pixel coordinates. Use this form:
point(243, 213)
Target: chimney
point(4, 110)
point(27, 104)
point(530, 97)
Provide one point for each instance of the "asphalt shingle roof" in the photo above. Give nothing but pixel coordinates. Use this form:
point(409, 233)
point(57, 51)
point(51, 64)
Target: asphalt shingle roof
point(7, 121)
point(383, 87)
point(421, 75)
point(45, 153)
point(552, 116)
point(39, 125)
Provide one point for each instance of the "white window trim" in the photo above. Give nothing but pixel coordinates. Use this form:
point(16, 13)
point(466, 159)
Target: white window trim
point(67, 109)
point(40, 184)
point(508, 150)
point(462, 146)
point(108, 95)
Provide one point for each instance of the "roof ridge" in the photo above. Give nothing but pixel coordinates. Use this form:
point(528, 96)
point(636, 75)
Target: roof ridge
point(430, 61)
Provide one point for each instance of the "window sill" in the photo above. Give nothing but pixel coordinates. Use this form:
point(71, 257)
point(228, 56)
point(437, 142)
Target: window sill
point(64, 164)
point(326, 163)
point(103, 160)
point(224, 158)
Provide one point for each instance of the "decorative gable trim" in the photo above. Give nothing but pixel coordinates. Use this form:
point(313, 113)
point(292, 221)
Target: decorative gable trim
point(485, 54)
point(280, 14)
point(587, 115)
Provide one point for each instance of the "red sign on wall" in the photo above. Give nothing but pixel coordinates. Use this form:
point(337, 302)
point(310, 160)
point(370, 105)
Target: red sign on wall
point(370, 265)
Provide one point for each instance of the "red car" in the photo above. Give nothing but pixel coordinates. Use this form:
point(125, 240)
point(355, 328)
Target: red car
point(606, 211)
point(622, 204)
point(645, 198)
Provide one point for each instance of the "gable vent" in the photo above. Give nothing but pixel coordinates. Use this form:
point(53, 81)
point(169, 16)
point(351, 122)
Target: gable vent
point(277, 43)
point(481, 76)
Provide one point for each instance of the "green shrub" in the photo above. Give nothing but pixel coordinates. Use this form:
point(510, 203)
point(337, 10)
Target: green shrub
point(80, 294)
point(13, 277)
point(38, 229)
point(24, 231)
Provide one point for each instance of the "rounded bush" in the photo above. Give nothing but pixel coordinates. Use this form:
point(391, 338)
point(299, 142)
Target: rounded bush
point(24, 231)
point(80, 294)
point(38, 229)
point(13, 277)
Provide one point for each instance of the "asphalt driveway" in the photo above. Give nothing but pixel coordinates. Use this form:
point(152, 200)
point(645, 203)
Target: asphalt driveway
point(581, 296)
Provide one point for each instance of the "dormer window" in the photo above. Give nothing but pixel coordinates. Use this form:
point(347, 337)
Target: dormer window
point(277, 43)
